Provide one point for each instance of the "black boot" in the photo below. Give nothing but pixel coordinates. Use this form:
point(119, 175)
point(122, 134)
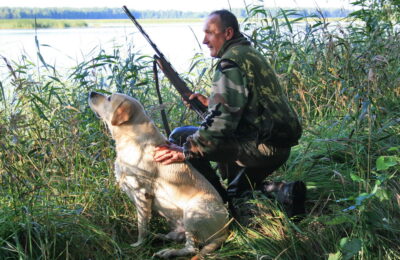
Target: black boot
point(240, 191)
point(290, 195)
point(240, 184)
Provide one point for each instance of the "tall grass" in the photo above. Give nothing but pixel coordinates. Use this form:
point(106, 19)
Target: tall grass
point(58, 197)
point(345, 84)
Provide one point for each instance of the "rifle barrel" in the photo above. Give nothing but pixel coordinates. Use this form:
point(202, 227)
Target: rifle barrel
point(169, 71)
point(146, 36)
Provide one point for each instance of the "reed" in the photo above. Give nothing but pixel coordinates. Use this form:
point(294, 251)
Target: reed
point(58, 196)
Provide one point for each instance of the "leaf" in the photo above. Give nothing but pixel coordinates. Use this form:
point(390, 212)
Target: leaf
point(336, 256)
point(318, 23)
point(357, 2)
point(339, 220)
point(359, 200)
point(350, 247)
point(382, 195)
point(364, 109)
point(39, 111)
point(356, 178)
point(97, 65)
point(287, 21)
point(385, 162)
point(40, 100)
point(349, 208)
point(291, 62)
point(397, 149)
point(362, 197)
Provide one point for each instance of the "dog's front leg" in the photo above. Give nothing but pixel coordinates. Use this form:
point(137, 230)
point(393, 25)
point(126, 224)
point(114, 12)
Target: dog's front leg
point(143, 201)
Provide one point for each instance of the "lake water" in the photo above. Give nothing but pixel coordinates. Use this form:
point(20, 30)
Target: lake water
point(65, 48)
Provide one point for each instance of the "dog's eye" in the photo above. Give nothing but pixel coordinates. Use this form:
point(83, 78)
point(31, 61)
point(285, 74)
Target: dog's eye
point(109, 98)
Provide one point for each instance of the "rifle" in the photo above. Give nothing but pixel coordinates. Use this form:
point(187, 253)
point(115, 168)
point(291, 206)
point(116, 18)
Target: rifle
point(169, 71)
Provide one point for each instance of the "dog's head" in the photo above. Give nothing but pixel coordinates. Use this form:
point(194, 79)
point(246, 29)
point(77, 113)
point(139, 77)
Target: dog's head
point(115, 109)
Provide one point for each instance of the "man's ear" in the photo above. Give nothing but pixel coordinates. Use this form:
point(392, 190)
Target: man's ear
point(229, 33)
point(122, 114)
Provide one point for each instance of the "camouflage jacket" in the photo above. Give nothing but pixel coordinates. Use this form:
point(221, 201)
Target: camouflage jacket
point(246, 103)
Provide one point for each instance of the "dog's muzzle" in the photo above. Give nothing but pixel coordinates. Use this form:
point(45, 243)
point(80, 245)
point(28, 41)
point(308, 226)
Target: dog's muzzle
point(93, 95)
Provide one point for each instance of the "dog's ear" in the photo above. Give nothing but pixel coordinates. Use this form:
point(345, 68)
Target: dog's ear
point(122, 114)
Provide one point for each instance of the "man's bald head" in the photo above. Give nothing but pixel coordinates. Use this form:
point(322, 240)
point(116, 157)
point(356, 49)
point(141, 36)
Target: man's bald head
point(226, 20)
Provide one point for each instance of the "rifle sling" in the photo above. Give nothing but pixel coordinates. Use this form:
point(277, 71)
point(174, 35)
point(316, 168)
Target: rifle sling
point(162, 111)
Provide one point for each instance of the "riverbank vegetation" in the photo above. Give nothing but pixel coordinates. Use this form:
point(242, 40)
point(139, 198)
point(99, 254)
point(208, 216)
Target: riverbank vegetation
point(58, 194)
point(41, 24)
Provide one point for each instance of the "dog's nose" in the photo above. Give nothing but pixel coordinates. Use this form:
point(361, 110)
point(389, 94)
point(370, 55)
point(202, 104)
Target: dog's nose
point(92, 94)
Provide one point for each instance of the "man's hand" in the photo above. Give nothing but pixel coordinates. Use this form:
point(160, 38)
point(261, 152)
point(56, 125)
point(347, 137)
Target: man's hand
point(200, 97)
point(168, 153)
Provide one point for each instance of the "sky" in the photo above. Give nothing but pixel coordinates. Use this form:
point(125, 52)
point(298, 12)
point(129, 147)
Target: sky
point(184, 5)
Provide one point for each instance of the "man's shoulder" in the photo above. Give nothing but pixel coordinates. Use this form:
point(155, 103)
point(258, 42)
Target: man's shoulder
point(225, 64)
point(243, 54)
point(233, 57)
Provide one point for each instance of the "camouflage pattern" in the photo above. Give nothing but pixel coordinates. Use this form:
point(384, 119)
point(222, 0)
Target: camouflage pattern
point(246, 104)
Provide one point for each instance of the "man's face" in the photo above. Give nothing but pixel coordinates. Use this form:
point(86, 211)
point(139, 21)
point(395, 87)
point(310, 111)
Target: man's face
point(214, 37)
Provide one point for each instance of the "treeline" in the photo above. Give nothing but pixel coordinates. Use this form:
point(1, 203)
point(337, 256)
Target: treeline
point(91, 13)
point(117, 13)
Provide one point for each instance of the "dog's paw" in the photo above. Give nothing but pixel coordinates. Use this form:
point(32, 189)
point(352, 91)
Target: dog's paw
point(171, 252)
point(174, 236)
point(166, 253)
point(138, 243)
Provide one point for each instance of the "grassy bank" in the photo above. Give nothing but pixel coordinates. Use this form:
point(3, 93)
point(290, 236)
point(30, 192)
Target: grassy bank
point(59, 200)
point(40, 23)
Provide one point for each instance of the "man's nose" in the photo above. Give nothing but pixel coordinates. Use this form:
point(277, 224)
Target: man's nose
point(205, 40)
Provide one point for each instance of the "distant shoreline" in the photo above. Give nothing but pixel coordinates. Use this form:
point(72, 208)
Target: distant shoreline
point(79, 23)
point(10, 24)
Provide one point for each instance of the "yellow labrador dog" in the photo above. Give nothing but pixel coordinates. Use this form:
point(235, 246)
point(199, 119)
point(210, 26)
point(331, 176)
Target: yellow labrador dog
point(177, 191)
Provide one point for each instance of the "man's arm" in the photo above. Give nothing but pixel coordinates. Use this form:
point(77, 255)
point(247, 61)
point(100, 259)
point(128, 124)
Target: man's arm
point(228, 99)
point(229, 96)
point(171, 153)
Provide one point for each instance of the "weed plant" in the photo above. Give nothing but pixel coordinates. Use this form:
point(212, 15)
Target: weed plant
point(58, 194)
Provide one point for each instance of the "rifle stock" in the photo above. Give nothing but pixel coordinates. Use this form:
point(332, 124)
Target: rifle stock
point(170, 72)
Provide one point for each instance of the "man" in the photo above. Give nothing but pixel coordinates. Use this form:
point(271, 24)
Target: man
point(249, 128)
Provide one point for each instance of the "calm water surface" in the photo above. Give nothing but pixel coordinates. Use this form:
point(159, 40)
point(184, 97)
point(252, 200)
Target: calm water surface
point(65, 48)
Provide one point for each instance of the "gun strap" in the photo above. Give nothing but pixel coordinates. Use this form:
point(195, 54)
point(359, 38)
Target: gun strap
point(162, 111)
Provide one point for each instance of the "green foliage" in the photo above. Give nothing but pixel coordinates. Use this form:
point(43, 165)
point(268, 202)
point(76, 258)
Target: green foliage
point(40, 23)
point(58, 199)
point(348, 249)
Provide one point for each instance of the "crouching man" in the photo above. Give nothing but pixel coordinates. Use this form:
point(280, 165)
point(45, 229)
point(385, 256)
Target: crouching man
point(250, 126)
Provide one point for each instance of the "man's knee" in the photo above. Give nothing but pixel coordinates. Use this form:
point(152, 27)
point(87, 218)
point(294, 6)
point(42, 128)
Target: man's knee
point(178, 135)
